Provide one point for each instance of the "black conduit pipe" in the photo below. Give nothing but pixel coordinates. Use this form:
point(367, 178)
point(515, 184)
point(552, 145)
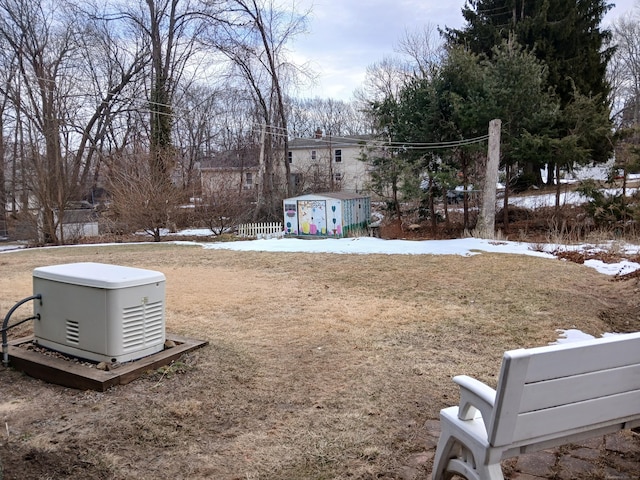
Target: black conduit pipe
point(5, 328)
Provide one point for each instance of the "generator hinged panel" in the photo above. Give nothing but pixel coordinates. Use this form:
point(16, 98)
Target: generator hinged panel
point(100, 312)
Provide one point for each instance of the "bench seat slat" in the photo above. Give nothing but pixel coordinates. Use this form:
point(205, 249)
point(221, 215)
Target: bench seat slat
point(562, 391)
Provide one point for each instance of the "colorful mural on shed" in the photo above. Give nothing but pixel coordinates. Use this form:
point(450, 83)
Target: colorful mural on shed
point(333, 214)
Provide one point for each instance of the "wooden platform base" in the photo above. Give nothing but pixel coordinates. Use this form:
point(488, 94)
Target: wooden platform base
point(70, 374)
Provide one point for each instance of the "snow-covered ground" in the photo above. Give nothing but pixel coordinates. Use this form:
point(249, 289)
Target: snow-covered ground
point(461, 246)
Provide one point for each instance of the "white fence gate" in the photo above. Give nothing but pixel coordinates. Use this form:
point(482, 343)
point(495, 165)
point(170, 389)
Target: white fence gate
point(261, 230)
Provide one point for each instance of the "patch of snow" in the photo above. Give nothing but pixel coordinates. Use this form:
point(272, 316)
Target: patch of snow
point(194, 232)
point(369, 245)
point(574, 335)
point(571, 335)
point(547, 200)
point(620, 268)
point(6, 247)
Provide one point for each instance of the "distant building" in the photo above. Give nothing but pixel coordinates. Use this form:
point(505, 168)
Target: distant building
point(328, 163)
point(234, 170)
point(321, 164)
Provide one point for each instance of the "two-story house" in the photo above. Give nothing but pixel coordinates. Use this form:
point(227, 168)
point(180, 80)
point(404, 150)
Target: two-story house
point(328, 163)
point(321, 164)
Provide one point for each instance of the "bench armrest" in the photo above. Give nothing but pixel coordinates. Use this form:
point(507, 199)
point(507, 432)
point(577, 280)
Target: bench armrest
point(475, 396)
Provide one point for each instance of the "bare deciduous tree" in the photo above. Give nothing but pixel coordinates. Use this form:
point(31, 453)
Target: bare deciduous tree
point(332, 117)
point(195, 130)
point(138, 201)
point(172, 29)
point(225, 208)
point(63, 112)
point(383, 79)
point(624, 78)
point(424, 48)
point(254, 38)
point(624, 70)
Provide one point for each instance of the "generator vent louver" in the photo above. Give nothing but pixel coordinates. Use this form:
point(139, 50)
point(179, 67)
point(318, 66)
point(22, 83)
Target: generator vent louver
point(142, 325)
point(100, 312)
point(73, 332)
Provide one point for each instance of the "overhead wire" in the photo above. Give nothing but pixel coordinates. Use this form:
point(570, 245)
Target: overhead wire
point(442, 145)
point(374, 143)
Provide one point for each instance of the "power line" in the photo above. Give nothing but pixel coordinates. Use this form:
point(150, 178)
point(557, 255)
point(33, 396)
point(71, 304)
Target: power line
point(401, 146)
point(418, 145)
point(441, 146)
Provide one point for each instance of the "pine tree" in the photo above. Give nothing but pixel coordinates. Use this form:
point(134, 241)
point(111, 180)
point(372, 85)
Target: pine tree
point(564, 34)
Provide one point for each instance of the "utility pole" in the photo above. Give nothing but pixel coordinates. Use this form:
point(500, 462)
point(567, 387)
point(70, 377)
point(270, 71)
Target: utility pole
point(487, 220)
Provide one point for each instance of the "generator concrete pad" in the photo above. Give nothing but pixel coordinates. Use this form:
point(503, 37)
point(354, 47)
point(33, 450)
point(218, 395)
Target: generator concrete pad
point(72, 374)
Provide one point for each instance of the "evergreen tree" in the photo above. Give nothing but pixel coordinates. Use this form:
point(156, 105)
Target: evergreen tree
point(460, 86)
point(564, 34)
point(409, 168)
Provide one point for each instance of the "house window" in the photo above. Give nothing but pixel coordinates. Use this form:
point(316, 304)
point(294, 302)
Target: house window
point(314, 155)
point(337, 177)
point(338, 155)
point(248, 178)
point(290, 156)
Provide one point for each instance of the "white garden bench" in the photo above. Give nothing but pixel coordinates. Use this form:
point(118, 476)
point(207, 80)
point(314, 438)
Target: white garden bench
point(546, 397)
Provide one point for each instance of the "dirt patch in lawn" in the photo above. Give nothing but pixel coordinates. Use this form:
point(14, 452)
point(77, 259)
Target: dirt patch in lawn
point(319, 366)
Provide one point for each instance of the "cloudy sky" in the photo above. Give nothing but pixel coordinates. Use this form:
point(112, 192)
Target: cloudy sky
point(346, 36)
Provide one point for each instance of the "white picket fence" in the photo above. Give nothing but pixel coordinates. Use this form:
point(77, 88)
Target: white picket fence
point(261, 230)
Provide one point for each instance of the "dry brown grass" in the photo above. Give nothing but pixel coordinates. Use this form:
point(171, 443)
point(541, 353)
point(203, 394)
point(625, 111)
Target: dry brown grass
point(319, 366)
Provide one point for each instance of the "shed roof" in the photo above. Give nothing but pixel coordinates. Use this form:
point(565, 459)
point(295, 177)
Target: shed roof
point(325, 195)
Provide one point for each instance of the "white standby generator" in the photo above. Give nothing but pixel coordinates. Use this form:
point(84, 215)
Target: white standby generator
point(100, 312)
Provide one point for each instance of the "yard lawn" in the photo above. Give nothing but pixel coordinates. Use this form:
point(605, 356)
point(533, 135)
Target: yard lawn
point(319, 366)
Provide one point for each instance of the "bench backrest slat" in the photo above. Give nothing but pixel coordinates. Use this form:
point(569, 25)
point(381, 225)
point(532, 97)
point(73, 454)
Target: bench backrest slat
point(562, 391)
point(559, 389)
point(577, 416)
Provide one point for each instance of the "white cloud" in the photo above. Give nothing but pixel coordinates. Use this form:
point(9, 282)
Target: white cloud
point(346, 36)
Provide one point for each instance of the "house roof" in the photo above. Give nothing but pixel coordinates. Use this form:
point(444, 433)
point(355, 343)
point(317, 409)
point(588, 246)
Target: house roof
point(334, 195)
point(330, 141)
point(241, 159)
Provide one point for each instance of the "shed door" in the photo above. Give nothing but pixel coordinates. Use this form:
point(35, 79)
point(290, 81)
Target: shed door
point(312, 217)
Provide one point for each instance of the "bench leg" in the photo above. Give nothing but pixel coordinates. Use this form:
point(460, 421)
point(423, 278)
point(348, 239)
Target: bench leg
point(444, 452)
point(452, 457)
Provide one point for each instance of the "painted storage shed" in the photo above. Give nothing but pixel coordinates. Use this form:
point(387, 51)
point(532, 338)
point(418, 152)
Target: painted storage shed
point(333, 214)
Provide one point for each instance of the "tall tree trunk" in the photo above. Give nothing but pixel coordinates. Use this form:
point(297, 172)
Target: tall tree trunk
point(432, 207)
point(553, 173)
point(160, 101)
point(396, 200)
point(3, 190)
